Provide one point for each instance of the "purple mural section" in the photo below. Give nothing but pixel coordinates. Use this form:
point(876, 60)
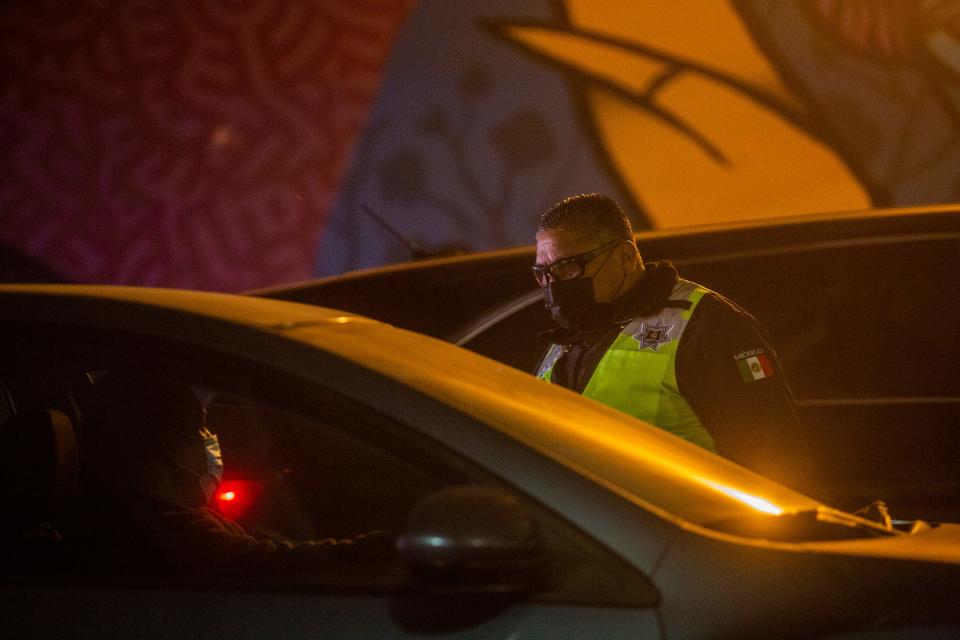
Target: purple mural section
point(468, 143)
point(188, 144)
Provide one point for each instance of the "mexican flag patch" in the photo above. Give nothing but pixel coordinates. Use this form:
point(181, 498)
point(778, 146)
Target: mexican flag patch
point(754, 367)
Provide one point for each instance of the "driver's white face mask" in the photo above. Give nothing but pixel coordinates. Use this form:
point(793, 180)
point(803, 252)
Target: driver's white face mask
point(210, 481)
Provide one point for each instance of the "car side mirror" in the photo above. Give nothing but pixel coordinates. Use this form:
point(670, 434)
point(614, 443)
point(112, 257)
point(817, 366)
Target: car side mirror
point(474, 539)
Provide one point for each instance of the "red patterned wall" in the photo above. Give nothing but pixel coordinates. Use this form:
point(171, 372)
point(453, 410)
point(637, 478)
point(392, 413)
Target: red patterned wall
point(188, 144)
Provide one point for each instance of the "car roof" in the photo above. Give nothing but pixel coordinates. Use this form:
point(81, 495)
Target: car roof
point(639, 461)
point(440, 296)
point(832, 225)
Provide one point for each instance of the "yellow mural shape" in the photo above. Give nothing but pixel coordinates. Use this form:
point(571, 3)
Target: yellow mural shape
point(691, 115)
point(701, 32)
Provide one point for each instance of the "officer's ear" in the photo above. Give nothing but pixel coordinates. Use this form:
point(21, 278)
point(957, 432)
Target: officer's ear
point(628, 256)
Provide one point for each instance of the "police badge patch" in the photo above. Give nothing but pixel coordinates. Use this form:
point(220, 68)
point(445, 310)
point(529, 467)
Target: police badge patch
point(652, 335)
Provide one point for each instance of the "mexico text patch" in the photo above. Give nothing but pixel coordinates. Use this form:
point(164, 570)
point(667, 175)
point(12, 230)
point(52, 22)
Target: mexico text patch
point(753, 365)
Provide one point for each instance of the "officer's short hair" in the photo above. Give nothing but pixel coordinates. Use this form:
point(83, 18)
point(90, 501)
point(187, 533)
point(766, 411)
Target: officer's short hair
point(589, 214)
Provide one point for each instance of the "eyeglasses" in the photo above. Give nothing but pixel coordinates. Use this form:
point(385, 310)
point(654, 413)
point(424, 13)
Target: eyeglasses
point(570, 268)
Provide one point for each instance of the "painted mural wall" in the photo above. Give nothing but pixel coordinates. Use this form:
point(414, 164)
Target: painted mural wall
point(230, 145)
point(197, 143)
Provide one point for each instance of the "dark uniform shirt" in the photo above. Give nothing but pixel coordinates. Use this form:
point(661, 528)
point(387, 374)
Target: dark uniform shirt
point(753, 423)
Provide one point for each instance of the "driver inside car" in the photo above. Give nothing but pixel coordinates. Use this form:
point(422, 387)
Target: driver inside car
point(149, 469)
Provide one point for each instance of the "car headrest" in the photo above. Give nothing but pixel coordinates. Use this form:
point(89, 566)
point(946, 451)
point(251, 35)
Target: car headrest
point(38, 463)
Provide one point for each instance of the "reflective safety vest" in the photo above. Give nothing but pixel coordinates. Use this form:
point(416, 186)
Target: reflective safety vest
point(637, 374)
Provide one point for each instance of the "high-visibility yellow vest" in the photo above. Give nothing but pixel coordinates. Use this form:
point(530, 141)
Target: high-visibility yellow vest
point(637, 374)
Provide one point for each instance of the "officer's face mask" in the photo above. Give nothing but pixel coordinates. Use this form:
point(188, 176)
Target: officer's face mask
point(573, 302)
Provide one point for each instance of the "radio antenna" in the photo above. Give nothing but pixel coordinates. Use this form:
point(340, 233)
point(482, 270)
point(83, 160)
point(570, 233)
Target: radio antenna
point(416, 250)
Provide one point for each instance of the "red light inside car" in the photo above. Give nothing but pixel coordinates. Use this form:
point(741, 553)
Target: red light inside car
point(235, 497)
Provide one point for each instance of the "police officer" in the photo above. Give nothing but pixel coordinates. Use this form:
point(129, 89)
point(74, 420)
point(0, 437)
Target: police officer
point(666, 350)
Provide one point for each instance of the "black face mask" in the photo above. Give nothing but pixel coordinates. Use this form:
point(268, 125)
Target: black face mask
point(573, 305)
